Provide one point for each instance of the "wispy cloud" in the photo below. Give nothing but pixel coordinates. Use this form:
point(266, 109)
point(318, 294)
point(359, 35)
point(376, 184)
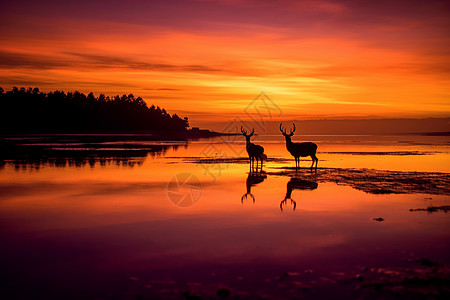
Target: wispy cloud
point(86, 60)
point(210, 56)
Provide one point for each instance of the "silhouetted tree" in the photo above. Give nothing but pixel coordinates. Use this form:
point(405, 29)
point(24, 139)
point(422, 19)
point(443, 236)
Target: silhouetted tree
point(31, 111)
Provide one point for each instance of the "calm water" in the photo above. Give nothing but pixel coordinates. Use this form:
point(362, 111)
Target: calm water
point(111, 227)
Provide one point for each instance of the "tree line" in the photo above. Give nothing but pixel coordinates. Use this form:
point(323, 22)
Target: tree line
point(32, 111)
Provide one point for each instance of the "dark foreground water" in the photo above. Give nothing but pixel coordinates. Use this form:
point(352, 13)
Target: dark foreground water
point(177, 220)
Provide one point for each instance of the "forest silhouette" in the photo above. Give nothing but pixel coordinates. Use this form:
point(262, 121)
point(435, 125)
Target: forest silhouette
point(31, 111)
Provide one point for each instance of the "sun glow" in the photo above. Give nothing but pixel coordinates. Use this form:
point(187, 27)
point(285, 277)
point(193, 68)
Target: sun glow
point(308, 64)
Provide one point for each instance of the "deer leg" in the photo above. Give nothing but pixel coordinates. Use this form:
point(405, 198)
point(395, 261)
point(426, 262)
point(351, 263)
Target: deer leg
point(315, 159)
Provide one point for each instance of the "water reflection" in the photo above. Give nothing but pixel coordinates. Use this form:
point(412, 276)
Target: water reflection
point(253, 179)
point(75, 226)
point(31, 158)
point(296, 184)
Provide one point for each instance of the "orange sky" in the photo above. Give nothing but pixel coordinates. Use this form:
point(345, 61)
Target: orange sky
point(209, 59)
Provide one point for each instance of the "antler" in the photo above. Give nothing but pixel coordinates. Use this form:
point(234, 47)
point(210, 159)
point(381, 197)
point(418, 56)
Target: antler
point(281, 204)
point(284, 202)
point(244, 132)
point(281, 129)
point(245, 197)
point(293, 130)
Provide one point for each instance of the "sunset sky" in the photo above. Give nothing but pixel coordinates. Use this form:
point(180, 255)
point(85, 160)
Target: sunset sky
point(209, 59)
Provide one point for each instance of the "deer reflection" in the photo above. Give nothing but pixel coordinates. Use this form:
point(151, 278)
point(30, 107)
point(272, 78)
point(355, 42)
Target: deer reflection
point(253, 178)
point(296, 184)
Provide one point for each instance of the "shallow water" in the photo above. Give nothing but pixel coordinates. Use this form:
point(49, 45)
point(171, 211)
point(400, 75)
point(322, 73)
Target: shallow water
point(164, 223)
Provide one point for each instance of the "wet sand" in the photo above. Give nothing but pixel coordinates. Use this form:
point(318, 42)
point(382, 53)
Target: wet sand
point(367, 180)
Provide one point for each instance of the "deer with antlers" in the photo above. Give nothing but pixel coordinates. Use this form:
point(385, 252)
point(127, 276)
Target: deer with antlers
point(298, 150)
point(254, 151)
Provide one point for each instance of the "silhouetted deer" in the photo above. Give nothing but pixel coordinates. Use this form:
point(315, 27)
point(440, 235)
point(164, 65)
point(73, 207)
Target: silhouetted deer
point(298, 150)
point(253, 179)
point(297, 184)
point(254, 151)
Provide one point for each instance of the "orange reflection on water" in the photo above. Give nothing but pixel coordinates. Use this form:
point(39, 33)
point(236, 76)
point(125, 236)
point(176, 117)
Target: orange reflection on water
point(114, 221)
